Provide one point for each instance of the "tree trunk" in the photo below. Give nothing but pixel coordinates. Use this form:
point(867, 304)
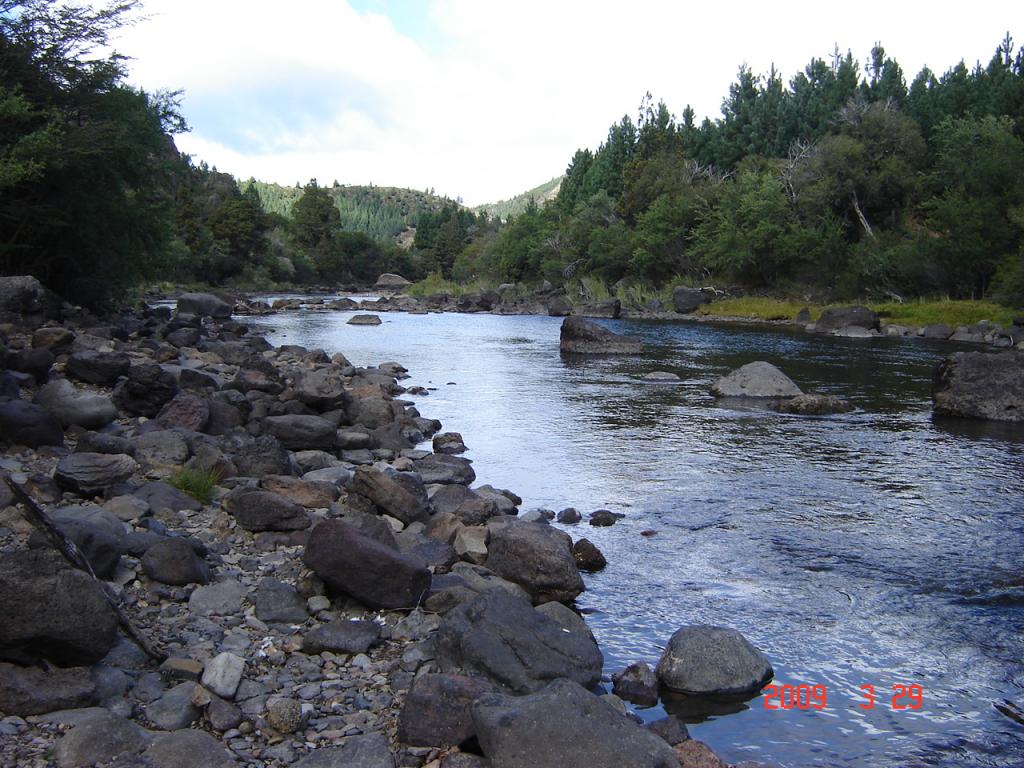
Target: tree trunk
point(860, 216)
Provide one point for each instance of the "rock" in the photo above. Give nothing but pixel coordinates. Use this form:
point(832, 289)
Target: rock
point(174, 561)
point(697, 754)
point(363, 320)
point(223, 673)
point(186, 749)
point(661, 376)
point(757, 379)
point(102, 442)
point(445, 499)
point(558, 306)
point(52, 611)
point(285, 715)
point(567, 726)
point(252, 380)
point(181, 669)
point(174, 710)
point(83, 409)
point(687, 300)
point(391, 281)
point(587, 556)
point(311, 494)
point(439, 468)
point(854, 332)
point(670, 728)
point(97, 367)
point(97, 534)
point(582, 337)
point(204, 305)
point(434, 553)
point(221, 599)
point(279, 602)
point(706, 660)
point(257, 510)
point(471, 544)
point(92, 473)
point(636, 683)
point(843, 317)
point(24, 295)
point(568, 516)
point(449, 442)
point(369, 751)
point(610, 308)
point(160, 495)
point(980, 385)
point(480, 579)
point(437, 711)
point(341, 637)
point(603, 518)
point(813, 405)
point(301, 432)
point(186, 410)
point(376, 575)
point(500, 637)
point(23, 423)
point(161, 448)
point(100, 738)
point(537, 557)
point(146, 390)
point(223, 715)
point(405, 501)
point(35, 362)
point(322, 390)
point(477, 511)
point(803, 317)
point(28, 691)
point(937, 331)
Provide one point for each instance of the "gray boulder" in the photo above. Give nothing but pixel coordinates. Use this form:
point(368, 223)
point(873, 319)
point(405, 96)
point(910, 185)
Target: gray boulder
point(405, 501)
point(567, 726)
point(582, 337)
point(174, 709)
point(441, 468)
point(937, 331)
point(391, 281)
point(341, 636)
point(980, 385)
point(98, 739)
point(257, 510)
point(97, 534)
point(437, 711)
point(501, 637)
point(160, 495)
point(92, 473)
point(349, 561)
point(187, 748)
point(369, 751)
point(27, 424)
point(174, 561)
point(705, 660)
point(83, 409)
point(364, 320)
point(302, 432)
point(277, 602)
point(842, 317)
point(146, 390)
point(757, 379)
point(28, 691)
point(97, 367)
point(23, 295)
point(204, 305)
point(636, 683)
point(160, 448)
point(221, 599)
point(322, 390)
point(558, 306)
point(687, 300)
point(537, 557)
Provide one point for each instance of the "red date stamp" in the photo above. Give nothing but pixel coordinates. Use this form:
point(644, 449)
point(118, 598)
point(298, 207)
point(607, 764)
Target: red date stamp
point(904, 697)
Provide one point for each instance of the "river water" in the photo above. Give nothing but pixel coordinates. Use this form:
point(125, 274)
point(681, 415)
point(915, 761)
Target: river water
point(879, 547)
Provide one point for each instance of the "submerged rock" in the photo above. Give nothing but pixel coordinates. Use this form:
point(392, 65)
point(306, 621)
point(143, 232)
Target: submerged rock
point(813, 405)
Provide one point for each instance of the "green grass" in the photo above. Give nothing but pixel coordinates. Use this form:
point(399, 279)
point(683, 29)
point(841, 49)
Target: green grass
point(434, 283)
point(758, 308)
point(197, 482)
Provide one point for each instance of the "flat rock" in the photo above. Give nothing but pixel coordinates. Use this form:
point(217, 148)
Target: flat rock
point(257, 510)
point(174, 710)
point(97, 367)
point(223, 673)
point(757, 379)
point(813, 405)
point(160, 495)
point(369, 751)
point(92, 473)
point(279, 602)
point(187, 749)
point(364, 320)
point(302, 432)
point(28, 691)
point(441, 468)
point(705, 660)
point(221, 599)
point(98, 739)
point(582, 337)
point(341, 636)
point(72, 407)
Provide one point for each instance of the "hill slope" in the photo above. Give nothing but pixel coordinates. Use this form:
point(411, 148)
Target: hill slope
point(516, 205)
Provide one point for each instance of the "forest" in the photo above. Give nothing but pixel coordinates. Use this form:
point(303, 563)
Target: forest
point(844, 181)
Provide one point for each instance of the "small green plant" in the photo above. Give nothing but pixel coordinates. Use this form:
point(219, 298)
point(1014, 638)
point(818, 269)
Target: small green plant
point(197, 482)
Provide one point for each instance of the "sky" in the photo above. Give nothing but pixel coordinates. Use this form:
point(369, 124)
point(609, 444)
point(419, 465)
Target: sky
point(479, 99)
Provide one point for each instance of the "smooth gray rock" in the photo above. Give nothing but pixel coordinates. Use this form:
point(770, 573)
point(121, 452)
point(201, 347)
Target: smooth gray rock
point(501, 637)
point(28, 424)
point(440, 468)
point(279, 602)
point(364, 320)
point(204, 305)
point(757, 379)
point(28, 691)
point(187, 748)
point(96, 367)
point(341, 636)
point(537, 557)
point(980, 385)
point(404, 501)
point(72, 407)
point(174, 561)
point(99, 738)
point(564, 725)
point(223, 673)
point(174, 710)
point(92, 473)
point(705, 660)
point(369, 751)
point(302, 432)
point(221, 599)
point(582, 337)
point(257, 510)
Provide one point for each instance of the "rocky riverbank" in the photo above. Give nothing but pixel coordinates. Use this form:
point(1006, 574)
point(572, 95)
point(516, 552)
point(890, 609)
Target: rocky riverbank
point(328, 594)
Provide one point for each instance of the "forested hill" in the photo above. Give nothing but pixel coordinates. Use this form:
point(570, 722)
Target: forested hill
point(503, 209)
point(380, 212)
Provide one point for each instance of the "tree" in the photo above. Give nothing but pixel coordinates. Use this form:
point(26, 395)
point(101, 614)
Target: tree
point(315, 222)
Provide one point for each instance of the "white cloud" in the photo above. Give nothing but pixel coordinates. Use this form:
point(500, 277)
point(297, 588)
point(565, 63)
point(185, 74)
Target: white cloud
point(500, 95)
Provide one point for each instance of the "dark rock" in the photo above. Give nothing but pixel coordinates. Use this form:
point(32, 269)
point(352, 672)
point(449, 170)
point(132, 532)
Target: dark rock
point(23, 423)
point(223, 715)
point(449, 442)
point(146, 390)
point(312, 494)
point(588, 557)
point(322, 390)
point(92, 473)
point(803, 316)
point(434, 553)
point(705, 660)
point(99, 368)
point(567, 726)
point(636, 683)
point(160, 495)
point(174, 561)
point(937, 331)
point(35, 362)
point(257, 510)
point(204, 305)
point(687, 300)
point(279, 602)
point(537, 557)
point(501, 637)
point(174, 710)
point(102, 442)
point(671, 729)
point(813, 405)
point(24, 295)
point(97, 534)
point(405, 502)
point(843, 317)
point(582, 337)
point(72, 407)
point(364, 320)
point(341, 637)
point(371, 412)
point(757, 379)
point(980, 385)
point(53, 611)
point(302, 433)
point(185, 410)
point(603, 518)
point(610, 308)
point(186, 748)
point(558, 306)
point(369, 751)
point(250, 380)
point(568, 516)
point(28, 691)
point(376, 575)
point(159, 448)
point(477, 511)
point(448, 498)
point(697, 754)
point(437, 711)
point(98, 739)
point(263, 456)
point(439, 468)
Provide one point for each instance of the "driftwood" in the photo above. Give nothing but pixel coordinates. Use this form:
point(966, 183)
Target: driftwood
point(73, 554)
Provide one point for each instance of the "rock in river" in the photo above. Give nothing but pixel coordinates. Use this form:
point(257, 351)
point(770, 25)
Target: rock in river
point(980, 385)
point(537, 557)
point(757, 379)
point(582, 337)
point(712, 660)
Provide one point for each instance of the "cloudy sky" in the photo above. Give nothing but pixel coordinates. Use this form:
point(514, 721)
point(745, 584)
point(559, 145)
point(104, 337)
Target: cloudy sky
point(482, 99)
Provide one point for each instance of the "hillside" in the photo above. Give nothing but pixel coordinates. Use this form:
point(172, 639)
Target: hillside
point(380, 212)
point(516, 205)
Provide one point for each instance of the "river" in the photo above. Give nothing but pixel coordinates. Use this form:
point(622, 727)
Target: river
point(879, 547)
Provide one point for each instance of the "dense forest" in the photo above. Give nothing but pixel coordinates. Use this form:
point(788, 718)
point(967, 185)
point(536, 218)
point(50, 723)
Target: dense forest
point(846, 182)
point(504, 209)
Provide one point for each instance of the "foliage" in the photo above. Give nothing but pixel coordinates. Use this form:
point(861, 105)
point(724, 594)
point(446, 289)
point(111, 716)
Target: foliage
point(197, 482)
point(504, 209)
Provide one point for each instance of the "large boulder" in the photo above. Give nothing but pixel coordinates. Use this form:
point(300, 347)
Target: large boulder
point(706, 660)
point(186, 410)
point(391, 282)
point(204, 305)
point(322, 390)
point(501, 637)
point(146, 390)
point(24, 295)
point(538, 558)
point(403, 501)
point(92, 473)
point(97, 367)
point(980, 385)
point(72, 407)
point(28, 424)
point(567, 726)
point(437, 711)
point(757, 379)
point(97, 534)
point(367, 751)
point(302, 432)
point(257, 510)
point(28, 691)
point(686, 300)
point(378, 576)
point(844, 317)
point(442, 468)
point(582, 337)
point(52, 611)
point(99, 738)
